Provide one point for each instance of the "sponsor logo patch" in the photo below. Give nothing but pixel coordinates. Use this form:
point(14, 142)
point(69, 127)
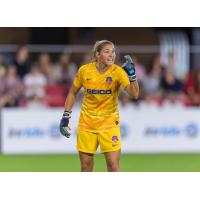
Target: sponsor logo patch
point(108, 79)
point(115, 138)
point(89, 91)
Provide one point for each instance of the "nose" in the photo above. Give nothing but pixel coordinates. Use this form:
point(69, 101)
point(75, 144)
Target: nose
point(111, 54)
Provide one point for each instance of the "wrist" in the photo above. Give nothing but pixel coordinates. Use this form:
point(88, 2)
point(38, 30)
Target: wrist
point(67, 111)
point(67, 114)
point(132, 78)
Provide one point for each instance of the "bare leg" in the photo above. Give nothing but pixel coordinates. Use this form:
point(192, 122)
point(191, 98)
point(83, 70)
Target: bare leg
point(87, 161)
point(112, 160)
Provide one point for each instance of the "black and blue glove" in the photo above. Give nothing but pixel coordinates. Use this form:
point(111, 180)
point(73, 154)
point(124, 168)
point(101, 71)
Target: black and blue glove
point(129, 68)
point(64, 122)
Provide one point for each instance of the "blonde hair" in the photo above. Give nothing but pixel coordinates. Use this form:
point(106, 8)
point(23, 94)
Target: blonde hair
point(98, 46)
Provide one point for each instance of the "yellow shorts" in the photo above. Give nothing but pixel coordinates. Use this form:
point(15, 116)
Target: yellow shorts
point(88, 142)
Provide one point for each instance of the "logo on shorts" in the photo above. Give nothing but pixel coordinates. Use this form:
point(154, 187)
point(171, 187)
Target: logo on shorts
point(108, 79)
point(115, 138)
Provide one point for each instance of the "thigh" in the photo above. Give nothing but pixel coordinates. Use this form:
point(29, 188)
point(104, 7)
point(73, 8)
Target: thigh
point(112, 158)
point(87, 142)
point(109, 141)
point(86, 157)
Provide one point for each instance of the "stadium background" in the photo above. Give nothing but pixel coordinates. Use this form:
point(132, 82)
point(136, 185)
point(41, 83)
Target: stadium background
point(160, 131)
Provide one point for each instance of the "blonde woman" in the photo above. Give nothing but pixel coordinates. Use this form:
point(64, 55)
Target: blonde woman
point(99, 122)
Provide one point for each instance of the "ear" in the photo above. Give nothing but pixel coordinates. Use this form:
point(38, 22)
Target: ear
point(97, 55)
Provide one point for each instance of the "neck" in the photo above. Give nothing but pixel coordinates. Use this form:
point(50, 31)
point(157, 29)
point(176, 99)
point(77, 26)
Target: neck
point(101, 66)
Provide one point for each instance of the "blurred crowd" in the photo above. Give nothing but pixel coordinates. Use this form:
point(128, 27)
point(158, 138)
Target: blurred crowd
point(35, 82)
point(41, 82)
point(160, 85)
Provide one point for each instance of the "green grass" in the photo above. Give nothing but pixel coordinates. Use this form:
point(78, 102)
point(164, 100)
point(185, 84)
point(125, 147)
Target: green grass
point(129, 163)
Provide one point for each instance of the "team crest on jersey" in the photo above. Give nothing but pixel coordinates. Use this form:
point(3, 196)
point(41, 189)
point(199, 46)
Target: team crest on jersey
point(108, 79)
point(115, 138)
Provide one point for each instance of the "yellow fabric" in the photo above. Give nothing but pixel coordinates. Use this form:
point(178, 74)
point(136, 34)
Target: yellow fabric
point(88, 141)
point(99, 111)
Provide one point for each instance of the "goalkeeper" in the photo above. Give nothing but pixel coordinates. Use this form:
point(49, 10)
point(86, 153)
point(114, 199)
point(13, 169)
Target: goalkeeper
point(99, 122)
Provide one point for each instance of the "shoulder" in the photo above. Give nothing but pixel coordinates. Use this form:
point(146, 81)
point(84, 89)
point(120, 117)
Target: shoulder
point(86, 67)
point(117, 68)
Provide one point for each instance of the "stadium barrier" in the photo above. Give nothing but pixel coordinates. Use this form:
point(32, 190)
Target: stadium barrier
point(144, 129)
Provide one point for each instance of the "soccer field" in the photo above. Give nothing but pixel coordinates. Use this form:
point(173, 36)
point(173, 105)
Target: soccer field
point(129, 163)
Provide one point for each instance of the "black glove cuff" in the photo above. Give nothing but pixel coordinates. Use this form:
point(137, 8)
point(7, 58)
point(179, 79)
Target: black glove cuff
point(67, 114)
point(132, 78)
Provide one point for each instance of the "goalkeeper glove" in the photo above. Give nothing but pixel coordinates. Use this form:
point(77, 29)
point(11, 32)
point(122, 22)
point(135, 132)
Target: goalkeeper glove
point(64, 122)
point(129, 68)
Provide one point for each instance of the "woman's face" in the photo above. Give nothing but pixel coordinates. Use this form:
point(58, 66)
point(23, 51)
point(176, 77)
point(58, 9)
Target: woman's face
point(107, 55)
point(44, 59)
point(11, 70)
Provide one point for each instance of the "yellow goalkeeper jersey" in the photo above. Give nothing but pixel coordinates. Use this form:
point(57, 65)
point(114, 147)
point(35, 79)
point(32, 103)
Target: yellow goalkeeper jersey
point(99, 111)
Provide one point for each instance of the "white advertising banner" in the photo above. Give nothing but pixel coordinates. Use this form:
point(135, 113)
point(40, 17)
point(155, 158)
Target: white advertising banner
point(160, 130)
point(144, 130)
point(36, 131)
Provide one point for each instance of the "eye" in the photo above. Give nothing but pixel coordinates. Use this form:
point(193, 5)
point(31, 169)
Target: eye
point(106, 51)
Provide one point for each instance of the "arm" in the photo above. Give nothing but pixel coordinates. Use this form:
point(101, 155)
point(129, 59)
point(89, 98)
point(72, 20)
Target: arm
point(64, 122)
point(71, 98)
point(129, 68)
point(133, 89)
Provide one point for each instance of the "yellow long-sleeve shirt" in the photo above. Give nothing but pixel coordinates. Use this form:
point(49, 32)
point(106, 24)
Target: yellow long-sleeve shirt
point(99, 111)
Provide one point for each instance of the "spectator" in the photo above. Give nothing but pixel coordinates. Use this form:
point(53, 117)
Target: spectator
point(12, 88)
point(172, 87)
point(86, 59)
point(35, 83)
point(192, 88)
point(180, 72)
point(68, 67)
point(2, 74)
point(2, 67)
point(140, 69)
point(152, 83)
point(22, 61)
point(52, 73)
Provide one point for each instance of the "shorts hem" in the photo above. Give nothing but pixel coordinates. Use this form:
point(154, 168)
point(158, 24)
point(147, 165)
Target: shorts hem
point(85, 151)
point(110, 150)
